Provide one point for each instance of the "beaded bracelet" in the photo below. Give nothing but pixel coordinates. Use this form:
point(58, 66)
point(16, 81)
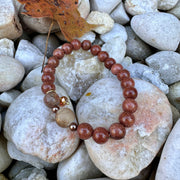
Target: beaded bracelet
point(85, 130)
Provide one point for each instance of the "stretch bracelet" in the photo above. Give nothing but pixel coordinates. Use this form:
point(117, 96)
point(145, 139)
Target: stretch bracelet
point(65, 116)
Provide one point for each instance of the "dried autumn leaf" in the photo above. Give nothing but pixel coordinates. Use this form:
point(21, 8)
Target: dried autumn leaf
point(65, 12)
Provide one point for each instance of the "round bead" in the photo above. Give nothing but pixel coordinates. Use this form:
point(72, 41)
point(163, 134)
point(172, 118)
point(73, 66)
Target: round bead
point(129, 105)
point(116, 68)
point(109, 62)
point(86, 45)
point(55, 109)
point(117, 131)
point(102, 56)
point(130, 92)
point(127, 119)
point(63, 101)
point(73, 126)
point(59, 53)
point(95, 49)
point(100, 135)
point(67, 47)
point(53, 61)
point(127, 82)
point(123, 74)
point(85, 131)
point(51, 99)
point(64, 117)
point(47, 87)
point(48, 77)
point(48, 69)
point(76, 44)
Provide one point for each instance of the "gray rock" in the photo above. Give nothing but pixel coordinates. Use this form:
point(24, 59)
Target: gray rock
point(31, 126)
point(0, 122)
point(14, 153)
point(176, 114)
point(9, 22)
point(142, 141)
point(29, 55)
point(160, 30)
point(166, 4)
point(7, 97)
point(136, 48)
point(84, 8)
point(117, 31)
point(78, 166)
point(5, 160)
point(119, 14)
point(176, 10)
point(6, 47)
point(174, 95)
point(11, 72)
point(166, 62)
point(169, 165)
point(104, 5)
point(135, 7)
point(146, 73)
point(40, 42)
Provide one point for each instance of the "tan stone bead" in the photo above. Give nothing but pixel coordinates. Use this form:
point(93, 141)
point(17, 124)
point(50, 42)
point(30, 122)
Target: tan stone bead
point(64, 117)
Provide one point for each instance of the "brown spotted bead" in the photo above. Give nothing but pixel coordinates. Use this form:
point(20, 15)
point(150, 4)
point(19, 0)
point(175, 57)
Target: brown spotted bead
point(129, 105)
point(51, 99)
point(53, 61)
point(109, 62)
point(48, 69)
point(123, 74)
point(117, 131)
point(127, 82)
point(73, 126)
point(85, 131)
point(76, 44)
point(67, 48)
point(86, 45)
point(95, 49)
point(116, 68)
point(47, 87)
point(102, 56)
point(127, 119)
point(59, 53)
point(130, 92)
point(100, 135)
point(48, 77)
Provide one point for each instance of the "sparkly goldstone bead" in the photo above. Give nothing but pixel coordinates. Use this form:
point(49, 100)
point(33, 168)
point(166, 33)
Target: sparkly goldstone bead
point(64, 117)
point(63, 101)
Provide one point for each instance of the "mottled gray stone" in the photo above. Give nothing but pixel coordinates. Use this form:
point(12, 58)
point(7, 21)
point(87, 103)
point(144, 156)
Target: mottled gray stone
point(6, 47)
point(176, 10)
point(166, 4)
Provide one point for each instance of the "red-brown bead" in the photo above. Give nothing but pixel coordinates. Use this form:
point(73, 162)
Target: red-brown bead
point(100, 135)
point(95, 49)
point(48, 78)
point(53, 61)
point(109, 62)
point(86, 45)
point(51, 99)
point(127, 82)
point(85, 131)
point(76, 44)
point(48, 69)
point(47, 87)
point(117, 131)
point(116, 68)
point(123, 74)
point(59, 53)
point(102, 56)
point(127, 119)
point(67, 48)
point(130, 92)
point(129, 105)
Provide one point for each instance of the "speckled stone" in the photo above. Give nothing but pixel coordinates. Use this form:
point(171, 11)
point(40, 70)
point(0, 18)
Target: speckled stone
point(31, 126)
point(11, 72)
point(142, 141)
point(176, 10)
point(6, 47)
point(166, 4)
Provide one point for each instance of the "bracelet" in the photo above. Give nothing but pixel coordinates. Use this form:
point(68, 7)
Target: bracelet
point(65, 116)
